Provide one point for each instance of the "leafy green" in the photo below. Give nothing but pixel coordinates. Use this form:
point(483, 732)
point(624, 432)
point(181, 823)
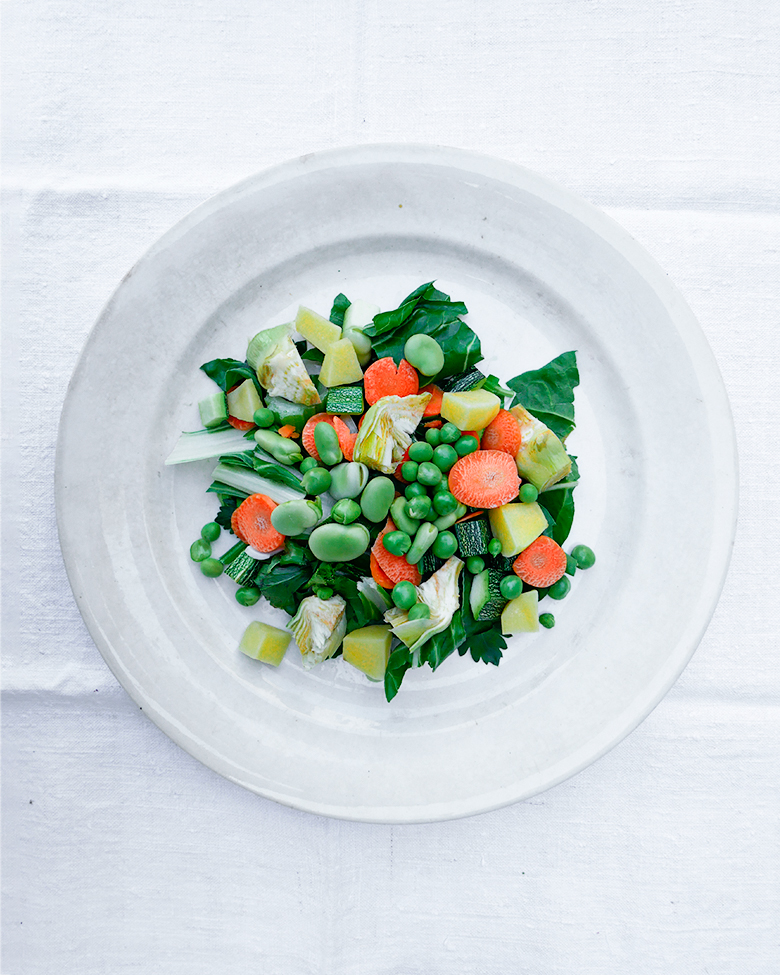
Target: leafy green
point(340, 305)
point(343, 578)
point(557, 503)
point(493, 385)
point(313, 355)
point(228, 373)
point(228, 504)
point(400, 661)
point(272, 472)
point(280, 577)
point(483, 638)
point(430, 311)
point(441, 645)
point(548, 393)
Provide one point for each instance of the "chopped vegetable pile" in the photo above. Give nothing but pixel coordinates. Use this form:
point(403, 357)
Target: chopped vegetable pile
point(395, 501)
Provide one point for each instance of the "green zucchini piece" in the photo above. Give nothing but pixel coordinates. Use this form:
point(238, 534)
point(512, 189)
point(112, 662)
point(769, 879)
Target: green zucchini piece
point(285, 412)
point(473, 537)
point(345, 399)
point(462, 384)
point(243, 569)
point(485, 600)
point(429, 564)
point(213, 410)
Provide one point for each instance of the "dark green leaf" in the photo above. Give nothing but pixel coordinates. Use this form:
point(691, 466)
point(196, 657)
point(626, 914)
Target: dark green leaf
point(226, 509)
point(228, 373)
point(548, 393)
point(558, 504)
point(400, 661)
point(281, 576)
point(275, 472)
point(340, 305)
point(313, 355)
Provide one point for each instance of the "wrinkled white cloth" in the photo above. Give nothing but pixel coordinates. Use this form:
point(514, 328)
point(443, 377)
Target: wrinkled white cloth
point(122, 853)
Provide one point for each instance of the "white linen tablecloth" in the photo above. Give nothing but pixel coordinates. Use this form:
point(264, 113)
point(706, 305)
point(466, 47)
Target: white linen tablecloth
point(122, 853)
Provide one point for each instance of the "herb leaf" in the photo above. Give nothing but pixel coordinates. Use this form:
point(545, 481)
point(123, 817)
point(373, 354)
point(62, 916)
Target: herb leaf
point(548, 393)
point(228, 373)
point(280, 577)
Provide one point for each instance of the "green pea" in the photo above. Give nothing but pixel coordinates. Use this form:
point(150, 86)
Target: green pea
point(376, 498)
point(316, 481)
point(475, 565)
point(308, 464)
point(420, 451)
point(326, 441)
point(414, 490)
point(425, 537)
point(200, 550)
point(401, 519)
point(571, 565)
point(494, 547)
point(547, 620)
point(428, 474)
point(446, 545)
point(424, 353)
point(511, 587)
point(396, 543)
point(444, 456)
point(560, 588)
point(449, 433)
point(583, 556)
point(418, 507)
point(324, 593)
point(339, 543)
point(347, 480)
point(247, 595)
point(210, 532)
point(433, 436)
point(404, 595)
point(528, 493)
point(466, 445)
point(211, 568)
point(263, 418)
point(444, 502)
point(345, 511)
point(420, 611)
point(409, 470)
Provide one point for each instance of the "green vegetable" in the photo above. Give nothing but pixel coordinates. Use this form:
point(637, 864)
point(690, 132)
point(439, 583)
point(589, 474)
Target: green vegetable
point(423, 540)
point(424, 353)
point(243, 570)
point(319, 626)
point(420, 451)
point(571, 565)
point(211, 568)
point(316, 481)
point(264, 417)
point(376, 498)
point(295, 517)
point(528, 493)
point(409, 470)
point(548, 393)
point(485, 598)
point(404, 595)
point(445, 545)
point(444, 502)
point(468, 380)
point(339, 543)
point(397, 542)
point(345, 399)
point(213, 410)
point(419, 507)
point(282, 449)
point(326, 441)
point(511, 587)
point(205, 444)
point(475, 564)
point(428, 474)
point(362, 345)
point(347, 480)
point(473, 536)
point(308, 464)
point(559, 589)
point(447, 521)
point(232, 554)
point(340, 305)
point(401, 519)
point(210, 532)
point(466, 445)
point(228, 373)
point(287, 413)
point(433, 436)
point(558, 504)
point(583, 556)
point(547, 620)
point(345, 511)
point(420, 611)
point(325, 593)
point(494, 547)
point(247, 595)
point(449, 433)
point(200, 550)
point(445, 456)
point(414, 490)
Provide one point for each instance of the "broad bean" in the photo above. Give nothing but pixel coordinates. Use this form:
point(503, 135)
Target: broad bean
point(294, 517)
point(376, 498)
point(339, 543)
point(401, 518)
point(326, 441)
point(345, 511)
point(284, 450)
point(425, 537)
point(424, 353)
point(346, 480)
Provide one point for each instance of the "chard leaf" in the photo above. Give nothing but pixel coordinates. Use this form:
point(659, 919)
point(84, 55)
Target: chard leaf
point(430, 311)
point(340, 305)
point(228, 373)
point(548, 393)
point(343, 578)
point(441, 645)
point(400, 661)
point(276, 472)
point(313, 355)
point(558, 505)
point(280, 577)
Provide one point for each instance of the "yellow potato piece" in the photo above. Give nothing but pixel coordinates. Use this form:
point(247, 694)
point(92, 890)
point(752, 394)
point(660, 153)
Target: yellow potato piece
point(340, 365)
point(264, 642)
point(316, 329)
point(516, 525)
point(368, 649)
point(472, 410)
point(521, 614)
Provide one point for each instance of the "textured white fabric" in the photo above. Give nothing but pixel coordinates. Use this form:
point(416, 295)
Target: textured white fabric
point(121, 853)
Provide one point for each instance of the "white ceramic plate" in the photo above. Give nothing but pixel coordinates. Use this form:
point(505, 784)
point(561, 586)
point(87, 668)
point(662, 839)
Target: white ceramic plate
point(541, 273)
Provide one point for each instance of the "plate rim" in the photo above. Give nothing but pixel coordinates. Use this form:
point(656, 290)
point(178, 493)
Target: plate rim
point(684, 321)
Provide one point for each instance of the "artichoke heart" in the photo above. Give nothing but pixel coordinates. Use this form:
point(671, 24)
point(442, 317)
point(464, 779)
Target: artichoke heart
point(441, 594)
point(279, 367)
point(319, 628)
point(542, 458)
point(386, 431)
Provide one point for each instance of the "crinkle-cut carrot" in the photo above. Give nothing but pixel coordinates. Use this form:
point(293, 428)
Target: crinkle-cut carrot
point(346, 439)
point(384, 378)
point(253, 521)
point(289, 431)
point(484, 479)
point(502, 433)
point(380, 577)
point(434, 403)
point(542, 563)
point(434, 424)
point(240, 424)
point(395, 567)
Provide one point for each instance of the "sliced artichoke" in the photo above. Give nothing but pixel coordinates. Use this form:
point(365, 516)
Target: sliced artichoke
point(319, 627)
point(386, 431)
point(441, 594)
point(542, 459)
point(279, 367)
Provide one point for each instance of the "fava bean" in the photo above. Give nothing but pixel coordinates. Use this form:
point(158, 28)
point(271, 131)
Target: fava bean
point(361, 344)
point(326, 441)
point(424, 353)
point(447, 521)
point(339, 543)
point(344, 512)
point(376, 498)
point(284, 450)
point(210, 532)
point(308, 464)
point(420, 611)
point(446, 545)
point(428, 474)
point(425, 537)
point(316, 481)
point(347, 480)
point(401, 519)
point(294, 517)
point(419, 507)
point(420, 451)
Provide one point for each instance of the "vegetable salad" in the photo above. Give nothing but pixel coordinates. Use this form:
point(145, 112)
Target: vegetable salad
point(397, 502)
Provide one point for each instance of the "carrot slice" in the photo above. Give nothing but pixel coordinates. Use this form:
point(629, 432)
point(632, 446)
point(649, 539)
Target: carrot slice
point(240, 424)
point(235, 529)
point(542, 563)
point(384, 378)
point(395, 567)
point(253, 521)
point(346, 439)
point(502, 433)
point(434, 424)
point(434, 403)
point(288, 430)
point(484, 479)
point(380, 577)
point(469, 516)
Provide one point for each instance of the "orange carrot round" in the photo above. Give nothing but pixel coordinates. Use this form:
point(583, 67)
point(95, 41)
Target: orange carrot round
point(542, 563)
point(484, 479)
point(240, 424)
point(346, 439)
point(384, 378)
point(395, 567)
point(380, 577)
point(253, 523)
point(502, 433)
